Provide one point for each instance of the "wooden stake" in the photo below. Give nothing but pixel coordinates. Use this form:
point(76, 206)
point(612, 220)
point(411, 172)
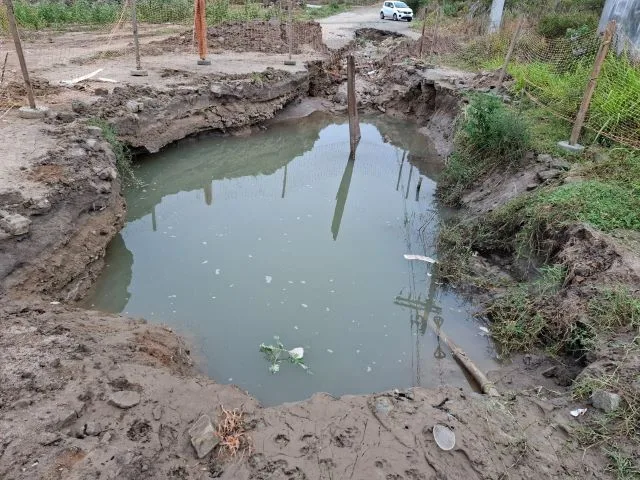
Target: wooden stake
point(460, 355)
point(136, 42)
point(593, 81)
point(512, 47)
point(200, 24)
point(354, 126)
point(424, 26)
point(435, 32)
point(13, 28)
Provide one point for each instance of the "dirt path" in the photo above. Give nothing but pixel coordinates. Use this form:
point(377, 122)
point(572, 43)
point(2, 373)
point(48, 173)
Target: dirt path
point(339, 30)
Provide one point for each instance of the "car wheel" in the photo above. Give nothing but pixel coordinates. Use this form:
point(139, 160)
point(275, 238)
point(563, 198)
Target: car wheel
point(395, 17)
point(381, 16)
point(409, 19)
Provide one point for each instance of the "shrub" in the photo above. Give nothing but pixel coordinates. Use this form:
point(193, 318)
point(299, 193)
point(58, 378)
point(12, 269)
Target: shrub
point(555, 25)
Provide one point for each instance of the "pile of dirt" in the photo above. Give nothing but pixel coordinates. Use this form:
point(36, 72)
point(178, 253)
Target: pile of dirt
point(15, 92)
point(254, 36)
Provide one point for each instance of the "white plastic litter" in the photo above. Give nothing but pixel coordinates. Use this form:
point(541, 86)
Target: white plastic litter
point(484, 330)
point(444, 437)
point(421, 258)
point(578, 412)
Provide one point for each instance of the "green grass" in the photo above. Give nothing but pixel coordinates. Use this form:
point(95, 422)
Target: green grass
point(123, 155)
point(489, 136)
point(622, 465)
point(518, 322)
point(57, 14)
point(332, 8)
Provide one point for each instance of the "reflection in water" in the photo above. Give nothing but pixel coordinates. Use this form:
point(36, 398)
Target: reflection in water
point(256, 261)
point(341, 196)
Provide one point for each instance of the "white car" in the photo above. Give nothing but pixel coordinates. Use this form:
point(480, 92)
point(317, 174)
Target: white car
point(396, 10)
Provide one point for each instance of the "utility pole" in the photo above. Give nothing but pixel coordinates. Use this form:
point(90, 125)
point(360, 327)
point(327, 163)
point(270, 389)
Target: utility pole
point(138, 72)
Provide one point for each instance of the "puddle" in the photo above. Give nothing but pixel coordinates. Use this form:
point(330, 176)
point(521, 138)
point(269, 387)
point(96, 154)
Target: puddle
point(235, 240)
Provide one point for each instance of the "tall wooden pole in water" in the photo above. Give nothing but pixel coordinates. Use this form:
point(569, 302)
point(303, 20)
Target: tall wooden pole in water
point(352, 104)
point(13, 28)
point(290, 61)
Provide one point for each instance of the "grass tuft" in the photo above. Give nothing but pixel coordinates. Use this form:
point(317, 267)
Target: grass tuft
point(124, 159)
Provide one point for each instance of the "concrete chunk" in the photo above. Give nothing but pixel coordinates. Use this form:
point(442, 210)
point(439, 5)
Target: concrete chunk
point(203, 436)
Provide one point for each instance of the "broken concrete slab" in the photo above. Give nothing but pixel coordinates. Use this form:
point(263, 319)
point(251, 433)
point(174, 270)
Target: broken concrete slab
point(203, 436)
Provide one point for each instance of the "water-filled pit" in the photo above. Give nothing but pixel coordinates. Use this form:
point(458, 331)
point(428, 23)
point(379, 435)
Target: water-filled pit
point(234, 240)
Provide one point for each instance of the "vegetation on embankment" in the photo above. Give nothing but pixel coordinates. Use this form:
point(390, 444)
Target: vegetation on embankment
point(550, 306)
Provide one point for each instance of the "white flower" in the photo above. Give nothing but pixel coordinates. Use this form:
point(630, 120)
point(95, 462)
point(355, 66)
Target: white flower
point(297, 353)
point(275, 368)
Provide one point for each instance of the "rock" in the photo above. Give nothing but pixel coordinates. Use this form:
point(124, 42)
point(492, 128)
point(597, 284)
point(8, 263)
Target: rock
point(340, 98)
point(14, 223)
point(157, 412)
point(94, 132)
point(134, 107)
point(384, 405)
point(216, 88)
point(124, 399)
point(38, 206)
point(93, 429)
point(106, 438)
point(203, 437)
point(79, 107)
point(65, 117)
point(77, 431)
point(545, 175)
point(101, 92)
point(109, 174)
point(606, 401)
point(64, 417)
point(22, 403)
point(545, 158)
point(381, 108)
point(77, 152)
point(559, 164)
point(532, 186)
point(48, 438)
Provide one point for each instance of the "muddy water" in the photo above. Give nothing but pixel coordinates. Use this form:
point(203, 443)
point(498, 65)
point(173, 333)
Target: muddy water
point(233, 241)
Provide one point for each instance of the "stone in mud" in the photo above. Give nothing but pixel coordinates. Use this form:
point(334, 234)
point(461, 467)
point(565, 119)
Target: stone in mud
point(79, 107)
point(14, 223)
point(94, 132)
point(101, 92)
point(48, 438)
point(203, 436)
point(124, 399)
point(559, 164)
point(606, 401)
point(545, 158)
point(157, 412)
point(134, 106)
point(545, 175)
point(109, 174)
point(92, 429)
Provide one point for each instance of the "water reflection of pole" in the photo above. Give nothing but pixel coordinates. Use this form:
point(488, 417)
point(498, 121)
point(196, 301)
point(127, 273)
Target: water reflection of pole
point(409, 182)
point(341, 197)
point(284, 181)
point(404, 154)
point(208, 193)
point(418, 189)
point(153, 218)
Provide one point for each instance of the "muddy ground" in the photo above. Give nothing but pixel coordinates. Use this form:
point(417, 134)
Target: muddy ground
point(90, 395)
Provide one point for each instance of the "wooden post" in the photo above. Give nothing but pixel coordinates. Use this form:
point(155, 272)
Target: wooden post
point(354, 126)
point(138, 72)
point(424, 26)
point(200, 23)
point(435, 32)
point(13, 28)
point(290, 61)
point(593, 81)
point(512, 47)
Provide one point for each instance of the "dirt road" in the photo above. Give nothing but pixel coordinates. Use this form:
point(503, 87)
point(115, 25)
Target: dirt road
point(339, 30)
